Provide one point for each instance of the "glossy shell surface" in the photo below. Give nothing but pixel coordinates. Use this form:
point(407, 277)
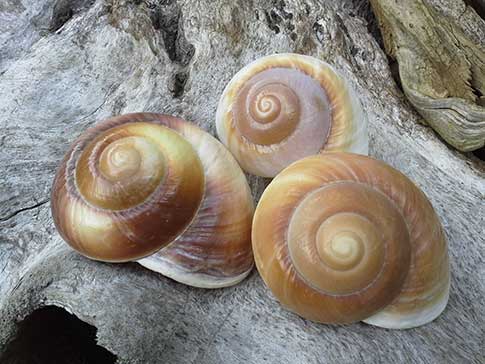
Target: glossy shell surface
point(284, 107)
point(341, 237)
point(157, 189)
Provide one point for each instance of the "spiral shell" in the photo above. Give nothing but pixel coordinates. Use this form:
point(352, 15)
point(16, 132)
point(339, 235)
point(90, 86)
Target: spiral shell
point(156, 189)
point(284, 107)
point(341, 237)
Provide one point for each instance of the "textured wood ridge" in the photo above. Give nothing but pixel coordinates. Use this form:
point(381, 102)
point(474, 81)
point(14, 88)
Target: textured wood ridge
point(442, 69)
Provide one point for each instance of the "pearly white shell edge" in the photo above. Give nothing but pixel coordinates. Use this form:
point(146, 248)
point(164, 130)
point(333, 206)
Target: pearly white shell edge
point(198, 280)
point(389, 320)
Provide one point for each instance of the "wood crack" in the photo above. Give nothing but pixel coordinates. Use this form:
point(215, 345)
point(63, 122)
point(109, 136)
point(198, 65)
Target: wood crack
point(110, 91)
point(204, 352)
point(28, 208)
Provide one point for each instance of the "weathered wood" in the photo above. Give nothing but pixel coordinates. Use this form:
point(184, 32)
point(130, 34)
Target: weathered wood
point(66, 64)
point(442, 70)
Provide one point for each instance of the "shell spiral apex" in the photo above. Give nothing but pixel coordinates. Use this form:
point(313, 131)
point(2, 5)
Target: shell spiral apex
point(284, 107)
point(157, 189)
point(341, 237)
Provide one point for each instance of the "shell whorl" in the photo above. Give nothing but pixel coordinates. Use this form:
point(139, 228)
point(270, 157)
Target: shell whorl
point(142, 184)
point(267, 109)
point(339, 237)
point(215, 250)
point(284, 107)
point(126, 189)
point(339, 242)
point(124, 165)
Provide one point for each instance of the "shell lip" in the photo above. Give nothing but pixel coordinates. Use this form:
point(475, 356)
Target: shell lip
point(195, 279)
point(387, 321)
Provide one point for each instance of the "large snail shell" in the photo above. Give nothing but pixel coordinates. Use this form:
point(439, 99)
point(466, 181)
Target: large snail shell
point(284, 107)
point(341, 237)
point(155, 187)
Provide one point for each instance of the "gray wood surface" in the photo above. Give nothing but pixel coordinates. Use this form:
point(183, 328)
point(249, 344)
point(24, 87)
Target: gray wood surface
point(64, 65)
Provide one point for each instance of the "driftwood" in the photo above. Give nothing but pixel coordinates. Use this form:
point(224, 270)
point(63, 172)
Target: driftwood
point(66, 64)
point(441, 68)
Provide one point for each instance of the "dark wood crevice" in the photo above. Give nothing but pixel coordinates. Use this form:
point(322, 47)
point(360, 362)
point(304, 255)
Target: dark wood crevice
point(64, 10)
point(478, 6)
point(51, 335)
point(167, 19)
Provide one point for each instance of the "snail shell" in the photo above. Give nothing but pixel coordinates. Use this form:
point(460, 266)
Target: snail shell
point(341, 237)
point(159, 190)
point(283, 107)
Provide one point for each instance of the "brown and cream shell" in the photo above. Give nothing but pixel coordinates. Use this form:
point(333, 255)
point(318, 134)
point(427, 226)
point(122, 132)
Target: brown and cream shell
point(159, 190)
point(284, 107)
point(341, 237)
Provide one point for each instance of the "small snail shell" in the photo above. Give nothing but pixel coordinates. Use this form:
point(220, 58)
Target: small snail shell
point(341, 237)
point(283, 107)
point(153, 187)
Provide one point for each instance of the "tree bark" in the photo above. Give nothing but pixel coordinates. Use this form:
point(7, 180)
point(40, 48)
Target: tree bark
point(64, 65)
